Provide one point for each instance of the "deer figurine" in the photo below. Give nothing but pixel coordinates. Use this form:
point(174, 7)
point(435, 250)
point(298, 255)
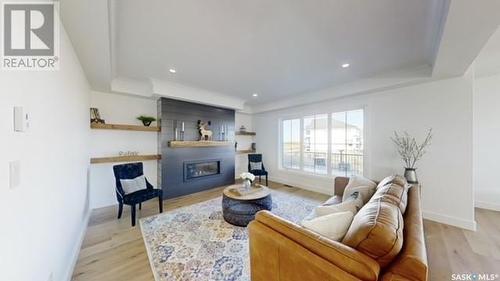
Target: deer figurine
point(205, 134)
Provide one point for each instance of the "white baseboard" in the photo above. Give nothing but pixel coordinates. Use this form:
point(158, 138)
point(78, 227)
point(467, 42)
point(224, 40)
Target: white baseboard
point(454, 221)
point(487, 206)
point(76, 248)
point(104, 205)
point(303, 186)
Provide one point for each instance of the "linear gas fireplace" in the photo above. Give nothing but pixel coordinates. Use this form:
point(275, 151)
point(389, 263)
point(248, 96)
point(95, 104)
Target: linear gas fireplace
point(186, 170)
point(198, 169)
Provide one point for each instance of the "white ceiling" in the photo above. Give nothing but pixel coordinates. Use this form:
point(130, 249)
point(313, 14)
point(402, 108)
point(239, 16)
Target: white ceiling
point(469, 25)
point(288, 51)
point(276, 48)
point(488, 61)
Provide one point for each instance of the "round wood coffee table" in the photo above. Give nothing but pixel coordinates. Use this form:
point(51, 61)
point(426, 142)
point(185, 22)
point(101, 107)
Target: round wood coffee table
point(239, 208)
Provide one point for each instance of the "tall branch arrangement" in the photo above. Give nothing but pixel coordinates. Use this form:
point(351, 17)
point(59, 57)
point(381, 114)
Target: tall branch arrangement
point(408, 148)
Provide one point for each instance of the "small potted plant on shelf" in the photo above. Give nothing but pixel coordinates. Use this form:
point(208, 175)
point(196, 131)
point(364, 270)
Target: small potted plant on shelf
point(410, 152)
point(146, 120)
point(247, 178)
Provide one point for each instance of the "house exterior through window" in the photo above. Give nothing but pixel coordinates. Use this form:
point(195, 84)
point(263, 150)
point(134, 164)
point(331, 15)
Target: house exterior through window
point(324, 144)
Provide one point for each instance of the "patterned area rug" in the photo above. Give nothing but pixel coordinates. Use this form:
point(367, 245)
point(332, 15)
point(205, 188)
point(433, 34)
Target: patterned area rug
point(195, 243)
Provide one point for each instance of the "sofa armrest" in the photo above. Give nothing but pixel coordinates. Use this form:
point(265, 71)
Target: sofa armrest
point(411, 264)
point(276, 243)
point(389, 276)
point(339, 185)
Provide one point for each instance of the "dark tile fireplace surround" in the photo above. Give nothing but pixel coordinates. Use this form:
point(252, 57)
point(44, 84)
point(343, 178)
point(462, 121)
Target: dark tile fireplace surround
point(186, 170)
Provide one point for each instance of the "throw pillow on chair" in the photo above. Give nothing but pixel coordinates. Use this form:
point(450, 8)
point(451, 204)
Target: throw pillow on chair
point(133, 185)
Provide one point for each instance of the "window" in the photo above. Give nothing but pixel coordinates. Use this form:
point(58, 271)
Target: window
point(291, 144)
point(347, 143)
point(316, 143)
point(324, 144)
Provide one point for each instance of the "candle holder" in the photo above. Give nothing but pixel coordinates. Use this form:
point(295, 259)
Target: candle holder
point(182, 132)
point(222, 133)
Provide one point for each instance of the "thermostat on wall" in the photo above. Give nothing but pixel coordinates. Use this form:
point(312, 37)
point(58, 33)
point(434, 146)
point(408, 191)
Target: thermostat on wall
point(21, 119)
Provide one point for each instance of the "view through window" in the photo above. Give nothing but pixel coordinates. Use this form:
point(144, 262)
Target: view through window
point(324, 144)
point(315, 143)
point(347, 143)
point(291, 144)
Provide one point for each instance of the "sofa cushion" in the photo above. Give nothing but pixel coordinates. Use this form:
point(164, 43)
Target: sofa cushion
point(394, 194)
point(397, 179)
point(377, 231)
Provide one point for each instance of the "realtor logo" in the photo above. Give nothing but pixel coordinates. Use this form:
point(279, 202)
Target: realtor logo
point(30, 36)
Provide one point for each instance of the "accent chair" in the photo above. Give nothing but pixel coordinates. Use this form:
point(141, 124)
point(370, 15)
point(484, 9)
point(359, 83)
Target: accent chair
point(256, 166)
point(131, 171)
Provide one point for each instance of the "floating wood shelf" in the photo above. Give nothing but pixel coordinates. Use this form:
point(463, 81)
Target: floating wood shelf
point(114, 159)
point(124, 127)
point(245, 151)
point(240, 133)
point(199, 143)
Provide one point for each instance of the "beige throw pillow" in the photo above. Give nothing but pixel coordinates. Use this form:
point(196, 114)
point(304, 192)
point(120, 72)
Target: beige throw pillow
point(133, 185)
point(333, 226)
point(352, 205)
point(360, 184)
point(335, 199)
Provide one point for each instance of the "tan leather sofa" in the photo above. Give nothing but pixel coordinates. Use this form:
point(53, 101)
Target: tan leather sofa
point(281, 250)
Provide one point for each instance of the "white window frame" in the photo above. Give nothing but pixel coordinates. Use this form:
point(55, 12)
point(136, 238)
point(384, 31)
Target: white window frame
point(280, 144)
point(329, 173)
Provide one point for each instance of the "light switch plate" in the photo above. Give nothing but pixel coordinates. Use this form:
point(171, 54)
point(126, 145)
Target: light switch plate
point(14, 174)
point(21, 119)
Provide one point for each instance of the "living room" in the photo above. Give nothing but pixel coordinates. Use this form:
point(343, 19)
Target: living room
point(195, 140)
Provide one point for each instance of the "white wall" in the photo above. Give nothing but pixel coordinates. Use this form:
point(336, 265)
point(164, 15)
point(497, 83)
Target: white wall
point(44, 219)
point(119, 109)
point(445, 172)
point(487, 142)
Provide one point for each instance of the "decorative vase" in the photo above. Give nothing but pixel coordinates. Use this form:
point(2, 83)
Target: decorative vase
point(411, 175)
point(146, 123)
point(247, 184)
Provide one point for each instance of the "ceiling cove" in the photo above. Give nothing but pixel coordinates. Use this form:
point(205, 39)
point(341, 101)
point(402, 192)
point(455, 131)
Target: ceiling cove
point(225, 52)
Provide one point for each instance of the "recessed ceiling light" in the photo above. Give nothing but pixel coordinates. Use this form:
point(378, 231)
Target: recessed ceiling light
point(345, 65)
point(255, 95)
point(172, 70)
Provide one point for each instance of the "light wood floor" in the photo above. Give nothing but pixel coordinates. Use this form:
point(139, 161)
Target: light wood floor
point(113, 250)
